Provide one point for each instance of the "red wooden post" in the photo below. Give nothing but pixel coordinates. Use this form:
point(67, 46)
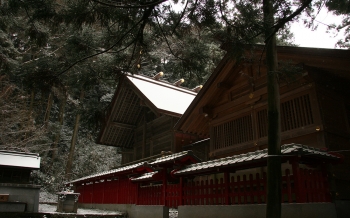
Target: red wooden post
point(232, 190)
point(251, 189)
point(289, 190)
point(227, 188)
point(299, 195)
point(164, 186)
point(212, 193)
point(258, 188)
point(207, 190)
point(265, 186)
point(244, 189)
point(118, 191)
point(137, 194)
point(239, 190)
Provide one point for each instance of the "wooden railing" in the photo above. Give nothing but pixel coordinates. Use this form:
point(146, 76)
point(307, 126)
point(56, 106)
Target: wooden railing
point(313, 187)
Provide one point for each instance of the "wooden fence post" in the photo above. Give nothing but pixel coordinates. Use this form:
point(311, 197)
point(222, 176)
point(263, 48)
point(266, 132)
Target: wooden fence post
point(227, 187)
point(181, 201)
point(299, 195)
point(164, 186)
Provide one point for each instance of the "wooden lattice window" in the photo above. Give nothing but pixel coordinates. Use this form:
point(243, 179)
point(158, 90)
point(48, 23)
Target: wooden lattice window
point(295, 113)
point(262, 123)
point(233, 132)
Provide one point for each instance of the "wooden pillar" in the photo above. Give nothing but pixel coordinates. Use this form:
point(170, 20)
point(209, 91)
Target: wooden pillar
point(329, 184)
point(137, 194)
point(211, 141)
point(164, 185)
point(151, 147)
point(181, 200)
point(173, 136)
point(227, 188)
point(144, 138)
point(298, 186)
point(118, 191)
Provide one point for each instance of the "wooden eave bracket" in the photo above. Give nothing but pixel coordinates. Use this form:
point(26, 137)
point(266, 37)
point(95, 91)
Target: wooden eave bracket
point(206, 111)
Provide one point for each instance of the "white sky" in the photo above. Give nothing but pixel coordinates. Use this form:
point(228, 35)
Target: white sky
point(305, 37)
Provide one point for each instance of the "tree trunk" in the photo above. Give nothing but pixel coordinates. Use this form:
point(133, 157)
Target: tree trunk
point(30, 114)
point(273, 207)
point(48, 109)
point(73, 141)
point(60, 120)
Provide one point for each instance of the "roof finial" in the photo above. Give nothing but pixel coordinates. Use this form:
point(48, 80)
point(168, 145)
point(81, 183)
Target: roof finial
point(158, 75)
point(197, 88)
point(179, 82)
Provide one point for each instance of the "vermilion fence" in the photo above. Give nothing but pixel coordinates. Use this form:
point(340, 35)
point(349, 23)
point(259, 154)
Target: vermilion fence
point(108, 192)
point(150, 195)
point(308, 186)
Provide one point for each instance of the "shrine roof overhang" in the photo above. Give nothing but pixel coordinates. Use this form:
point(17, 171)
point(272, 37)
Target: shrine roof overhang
point(22, 160)
point(249, 160)
point(148, 177)
point(149, 169)
point(133, 93)
point(180, 158)
point(137, 168)
point(196, 119)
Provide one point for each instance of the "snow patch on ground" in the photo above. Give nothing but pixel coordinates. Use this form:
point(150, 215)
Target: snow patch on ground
point(46, 208)
point(45, 196)
point(173, 213)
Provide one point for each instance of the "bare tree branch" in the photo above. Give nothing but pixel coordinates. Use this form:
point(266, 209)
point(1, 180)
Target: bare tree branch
point(182, 15)
point(166, 40)
point(129, 6)
point(285, 20)
point(104, 51)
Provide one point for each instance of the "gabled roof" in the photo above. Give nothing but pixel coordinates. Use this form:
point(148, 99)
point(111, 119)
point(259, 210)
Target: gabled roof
point(166, 98)
point(229, 69)
point(256, 158)
point(133, 94)
point(19, 159)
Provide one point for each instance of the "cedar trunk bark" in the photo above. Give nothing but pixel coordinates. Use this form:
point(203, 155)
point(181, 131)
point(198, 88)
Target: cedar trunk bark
point(60, 120)
point(48, 109)
point(273, 207)
point(73, 141)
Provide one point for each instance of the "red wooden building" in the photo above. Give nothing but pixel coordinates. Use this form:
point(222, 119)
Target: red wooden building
point(231, 108)
point(227, 124)
point(170, 180)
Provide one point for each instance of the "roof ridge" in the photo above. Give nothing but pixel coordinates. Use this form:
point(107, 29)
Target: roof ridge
point(162, 82)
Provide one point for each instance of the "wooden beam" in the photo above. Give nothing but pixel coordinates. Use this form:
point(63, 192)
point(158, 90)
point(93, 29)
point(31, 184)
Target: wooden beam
point(122, 125)
point(223, 85)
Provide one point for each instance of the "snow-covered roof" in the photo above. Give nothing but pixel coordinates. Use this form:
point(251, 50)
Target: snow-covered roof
point(133, 94)
point(150, 166)
point(111, 172)
point(164, 96)
point(144, 177)
point(250, 157)
point(241, 161)
point(19, 159)
point(174, 157)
